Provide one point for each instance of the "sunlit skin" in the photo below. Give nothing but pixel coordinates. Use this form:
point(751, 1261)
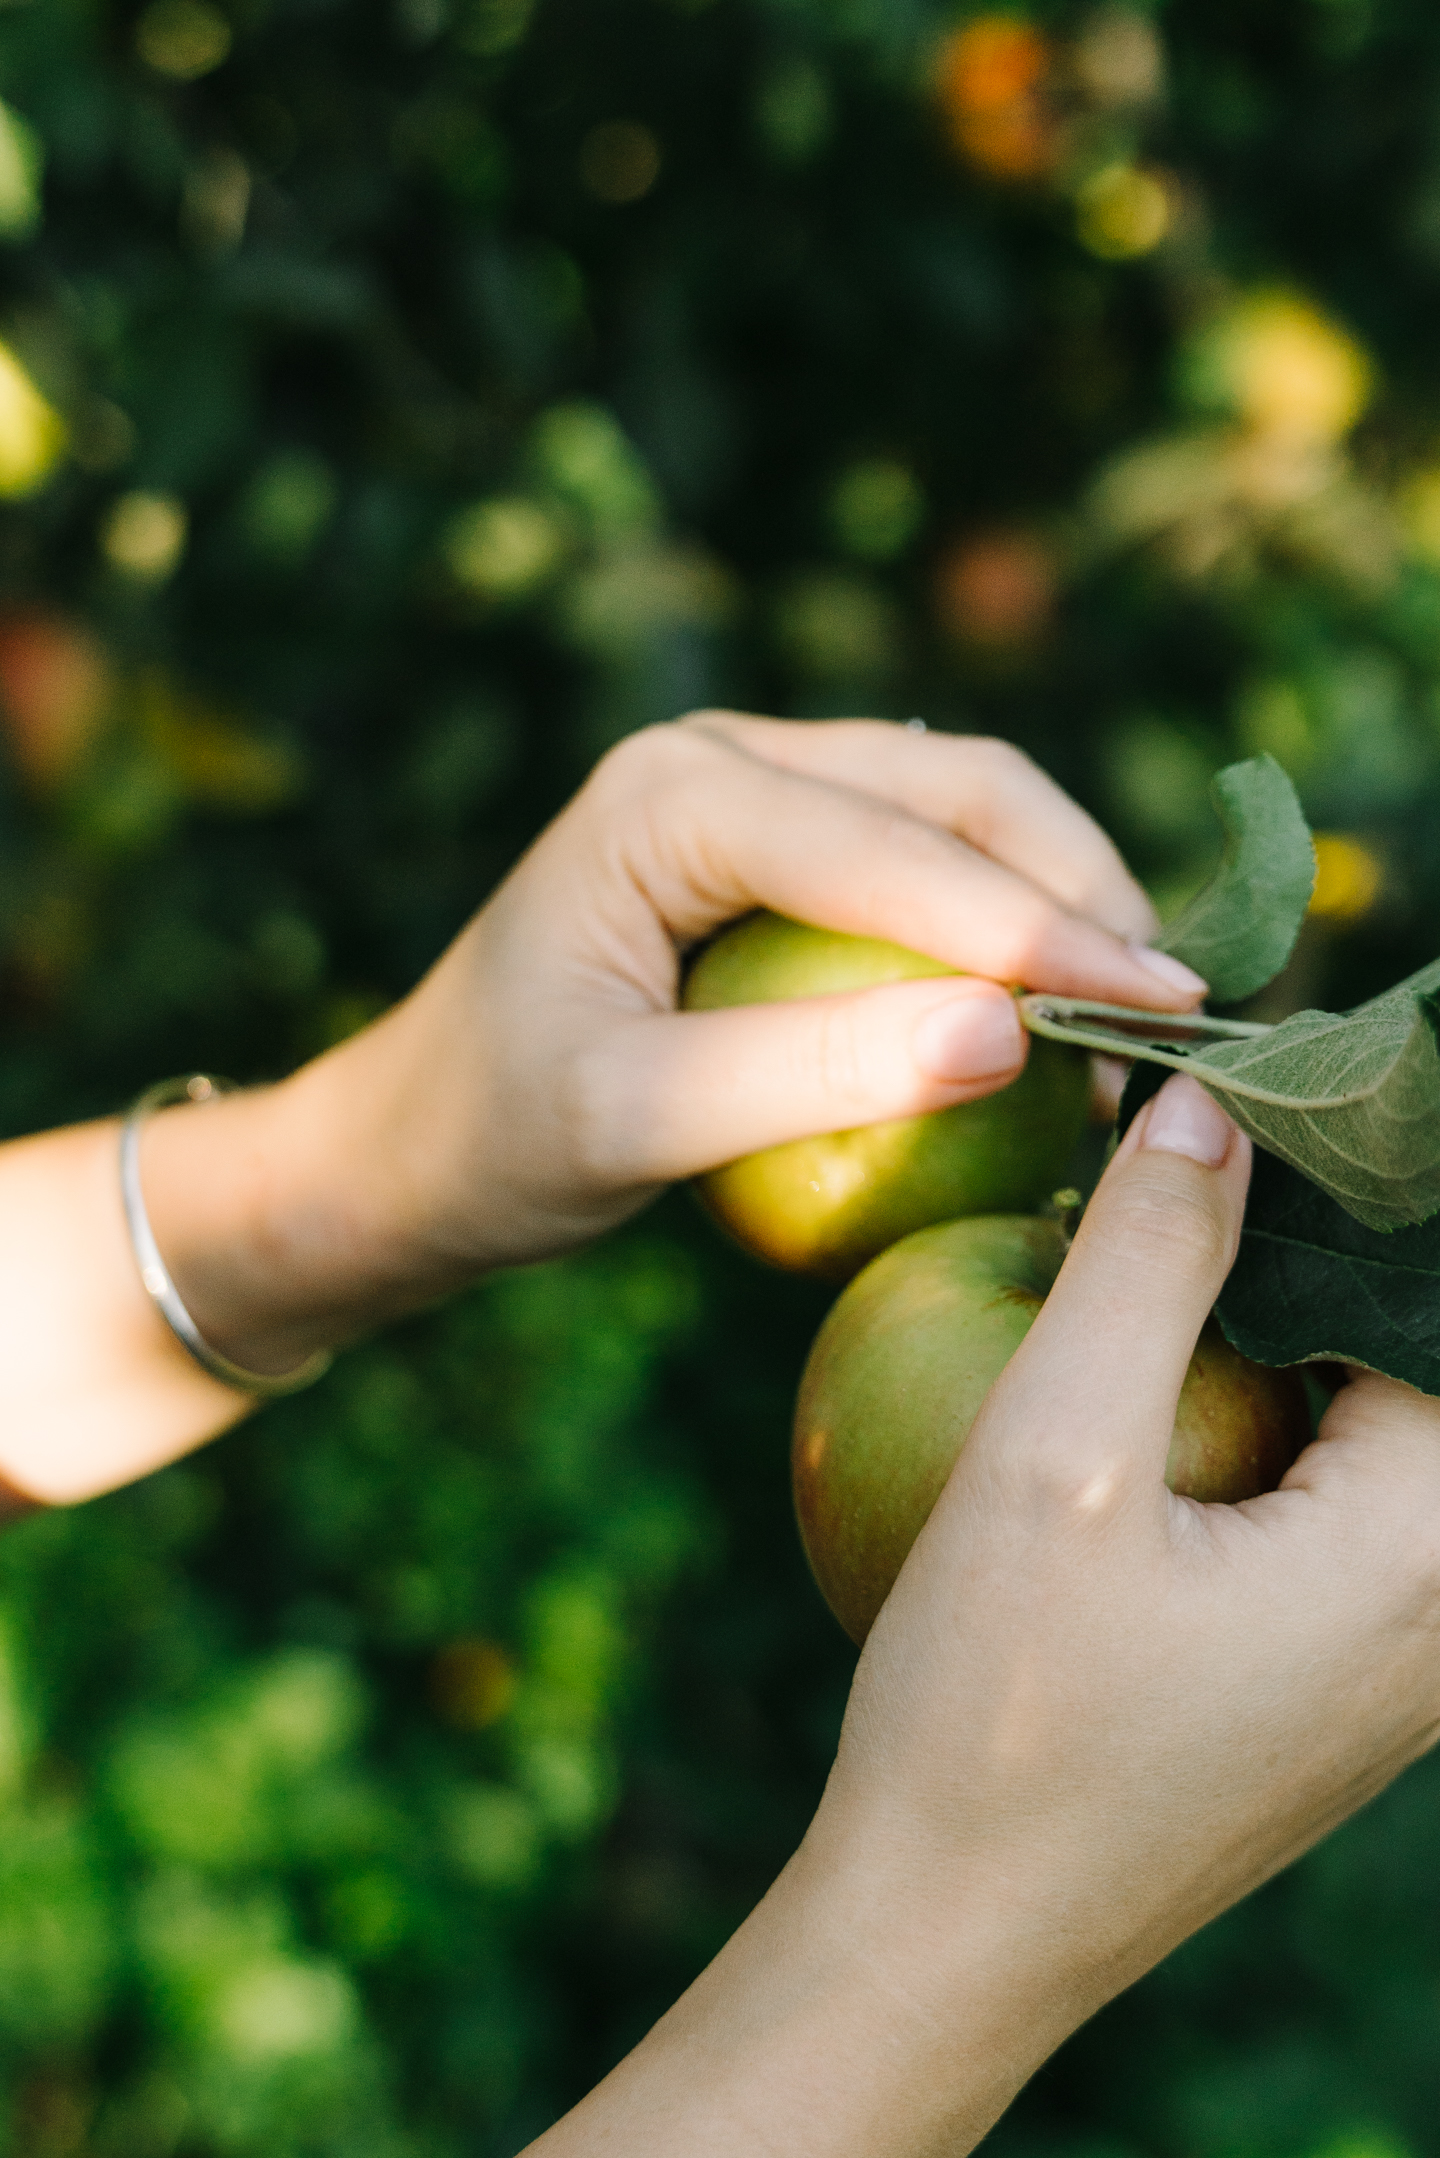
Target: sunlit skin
point(1090, 1714)
point(902, 1366)
point(827, 1204)
point(540, 1086)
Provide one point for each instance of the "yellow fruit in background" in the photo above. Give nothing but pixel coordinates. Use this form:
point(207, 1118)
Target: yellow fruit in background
point(1288, 370)
point(32, 433)
point(827, 1205)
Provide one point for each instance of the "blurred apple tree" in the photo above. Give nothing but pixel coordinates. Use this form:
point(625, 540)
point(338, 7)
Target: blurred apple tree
point(399, 400)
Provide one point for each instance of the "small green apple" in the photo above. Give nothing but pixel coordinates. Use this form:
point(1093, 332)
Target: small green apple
point(827, 1205)
point(906, 1357)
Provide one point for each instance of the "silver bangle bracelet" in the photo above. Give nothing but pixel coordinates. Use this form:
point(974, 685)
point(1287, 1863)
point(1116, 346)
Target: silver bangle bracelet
point(154, 1273)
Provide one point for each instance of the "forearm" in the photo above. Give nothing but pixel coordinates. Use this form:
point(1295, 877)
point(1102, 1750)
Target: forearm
point(836, 2025)
point(275, 1238)
point(291, 1218)
point(95, 1390)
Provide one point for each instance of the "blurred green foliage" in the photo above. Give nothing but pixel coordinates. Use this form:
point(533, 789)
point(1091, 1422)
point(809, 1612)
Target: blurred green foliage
point(398, 402)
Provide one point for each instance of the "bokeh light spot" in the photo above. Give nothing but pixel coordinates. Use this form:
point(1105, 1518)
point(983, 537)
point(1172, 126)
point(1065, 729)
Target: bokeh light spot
point(1122, 211)
point(56, 685)
point(495, 1836)
point(584, 455)
point(1419, 507)
point(837, 628)
point(32, 434)
point(143, 535)
point(22, 160)
point(619, 161)
point(472, 1683)
point(794, 112)
point(1348, 878)
point(1118, 58)
point(991, 63)
point(1284, 367)
point(998, 588)
point(287, 506)
point(184, 39)
point(989, 79)
point(216, 201)
point(504, 548)
point(876, 508)
point(282, 2009)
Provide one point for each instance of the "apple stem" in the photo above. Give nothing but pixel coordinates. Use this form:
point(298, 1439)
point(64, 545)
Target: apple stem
point(1066, 1205)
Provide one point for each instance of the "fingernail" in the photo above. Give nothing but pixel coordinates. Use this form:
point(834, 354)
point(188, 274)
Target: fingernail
point(1172, 972)
point(1184, 1119)
point(970, 1038)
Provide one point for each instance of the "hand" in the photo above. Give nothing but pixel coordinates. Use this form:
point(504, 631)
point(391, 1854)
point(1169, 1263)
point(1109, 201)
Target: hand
point(1089, 1718)
point(540, 1085)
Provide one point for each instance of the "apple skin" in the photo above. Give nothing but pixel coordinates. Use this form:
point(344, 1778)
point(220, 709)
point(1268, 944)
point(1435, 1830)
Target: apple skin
point(907, 1355)
point(827, 1205)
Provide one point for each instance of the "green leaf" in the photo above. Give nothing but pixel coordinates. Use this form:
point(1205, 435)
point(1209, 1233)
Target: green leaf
point(1353, 1103)
point(1351, 1099)
point(1310, 1284)
point(1240, 930)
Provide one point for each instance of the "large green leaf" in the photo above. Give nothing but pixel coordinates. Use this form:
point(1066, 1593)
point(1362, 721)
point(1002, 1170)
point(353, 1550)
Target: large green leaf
point(1352, 1102)
point(1350, 1099)
point(1310, 1284)
point(1240, 930)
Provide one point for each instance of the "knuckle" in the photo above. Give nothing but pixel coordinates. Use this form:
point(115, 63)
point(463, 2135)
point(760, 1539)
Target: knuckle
point(586, 1106)
point(1168, 1221)
point(1024, 942)
point(653, 757)
point(838, 1061)
point(709, 719)
point(998, 771)
point(1073, 1484)
point(1004, 760)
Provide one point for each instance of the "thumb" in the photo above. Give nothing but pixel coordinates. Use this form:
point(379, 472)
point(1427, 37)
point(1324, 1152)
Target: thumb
point(1096, 1381)
point(701, 1088)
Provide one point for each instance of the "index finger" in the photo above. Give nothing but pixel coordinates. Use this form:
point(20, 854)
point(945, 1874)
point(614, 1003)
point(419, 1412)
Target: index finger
point(984, 790)
point(707, 830)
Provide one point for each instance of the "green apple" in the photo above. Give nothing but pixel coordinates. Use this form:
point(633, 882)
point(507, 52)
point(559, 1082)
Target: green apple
point(827, 1205)
point(907, 1355)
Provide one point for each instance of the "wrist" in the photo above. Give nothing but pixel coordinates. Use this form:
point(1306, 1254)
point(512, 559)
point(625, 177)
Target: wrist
point(841, 2021)
point(279, 1221)
point(953, 1962)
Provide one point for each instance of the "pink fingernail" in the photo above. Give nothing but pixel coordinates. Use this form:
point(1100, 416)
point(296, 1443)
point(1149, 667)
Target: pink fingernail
point(970, 1038)
point(1184, 1119)
point(1172, 972)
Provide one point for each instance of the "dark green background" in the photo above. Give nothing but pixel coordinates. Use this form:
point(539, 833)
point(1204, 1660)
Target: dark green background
point(266, 1884)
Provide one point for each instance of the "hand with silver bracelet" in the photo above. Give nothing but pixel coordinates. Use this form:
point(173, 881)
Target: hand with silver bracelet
point(539, 1085)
